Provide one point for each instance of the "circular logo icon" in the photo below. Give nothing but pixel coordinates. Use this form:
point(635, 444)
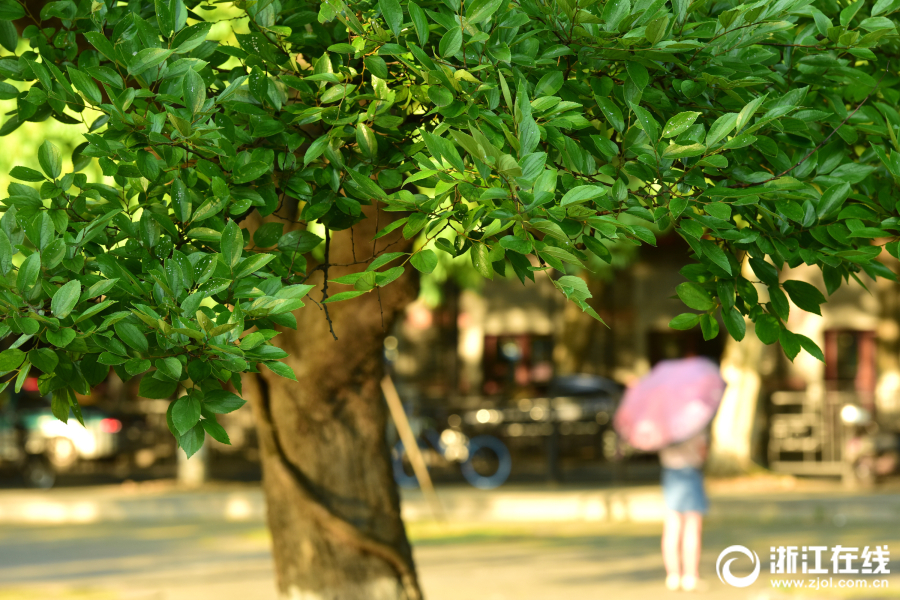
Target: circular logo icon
point(724, 573)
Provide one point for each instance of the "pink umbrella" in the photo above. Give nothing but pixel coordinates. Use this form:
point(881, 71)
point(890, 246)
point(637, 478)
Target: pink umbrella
point(674, 402)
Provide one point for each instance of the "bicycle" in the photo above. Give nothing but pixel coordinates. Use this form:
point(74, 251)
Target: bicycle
point(477, 456)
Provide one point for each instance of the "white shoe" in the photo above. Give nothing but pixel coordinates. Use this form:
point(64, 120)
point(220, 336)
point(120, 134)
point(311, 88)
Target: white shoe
point(672, 582)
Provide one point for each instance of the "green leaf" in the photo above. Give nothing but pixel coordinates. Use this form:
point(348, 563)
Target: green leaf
point(832, 200)
point(50, 159)
point(420, 21)
point(11, 359)
point(10, 10)
point(185, 413)
point(424, 260)
point(99, 41)
point(367, 141)
point(810, 346)
point(59, 405)
point(451, 43)
point(582, 193)
point(734, 323)
point(806, 296)
point(648, 123)
point(638, 74)
point(232, 244)
point(747, 112)
point(679, 124)
point(790, 343)
point(44, 359)
point(222, 402)
point(709, 327)
point(26, 174)
point(192, 440)
point(85, 85)
point(193, 88)
point(147, 165)
point(249, 172)
point(779, 303)
point(882, 6)
point(393, 14)
point(315, 149)
point(336, 93)
point(848, 13)
point(685, 321)
point(723, 126)
point(65, 298)
point(170, 367)
point(340, 297)
point(9, 37)
point(674, 151)
point(61, 338)
point(279, 368)
point(614, 11)
point(252, 264)
point(268, 234)
point(481, 10)
point(29, 271)
point(549, 84)
point(376, 66)
point(612, 113)
point(156, 389)
point(481, 260)
point(768, 329)
point(136, 366)
point(147, 59)
point(694, 296)
point(132, 336)
point(215, 431)
point(597, 248)
point(299, 241)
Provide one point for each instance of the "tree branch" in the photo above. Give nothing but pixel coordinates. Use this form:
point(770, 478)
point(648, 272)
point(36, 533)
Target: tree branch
point(823, 142)
point(325, 283)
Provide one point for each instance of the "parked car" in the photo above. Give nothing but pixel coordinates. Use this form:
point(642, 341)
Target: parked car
point(573, 419)
point(40, 446)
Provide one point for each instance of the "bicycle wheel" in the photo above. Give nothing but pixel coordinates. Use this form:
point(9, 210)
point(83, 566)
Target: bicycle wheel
point(404, 479)
point(489, 462)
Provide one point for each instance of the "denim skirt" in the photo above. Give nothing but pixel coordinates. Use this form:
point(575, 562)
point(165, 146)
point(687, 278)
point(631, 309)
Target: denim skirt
point(683, 490)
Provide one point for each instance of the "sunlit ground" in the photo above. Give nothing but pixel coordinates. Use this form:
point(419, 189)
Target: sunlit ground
point(573, 561)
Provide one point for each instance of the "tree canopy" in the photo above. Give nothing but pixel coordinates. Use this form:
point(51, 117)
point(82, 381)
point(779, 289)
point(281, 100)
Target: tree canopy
point(527, 134)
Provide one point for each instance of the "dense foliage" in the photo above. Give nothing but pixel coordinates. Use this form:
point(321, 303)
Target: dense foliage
point(525, 133)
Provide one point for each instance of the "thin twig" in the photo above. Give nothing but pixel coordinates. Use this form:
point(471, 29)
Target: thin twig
point(325, 283)
point(380, 307)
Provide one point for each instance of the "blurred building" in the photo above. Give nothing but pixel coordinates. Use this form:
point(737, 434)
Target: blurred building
point(508, 342)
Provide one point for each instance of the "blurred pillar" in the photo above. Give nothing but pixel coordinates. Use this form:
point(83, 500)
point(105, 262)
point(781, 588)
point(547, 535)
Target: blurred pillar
point(732, 430)
point(192, 472)
point(470, 347)
point(887, 391)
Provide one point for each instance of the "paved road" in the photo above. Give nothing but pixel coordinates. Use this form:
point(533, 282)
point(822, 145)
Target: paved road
point(231, 561)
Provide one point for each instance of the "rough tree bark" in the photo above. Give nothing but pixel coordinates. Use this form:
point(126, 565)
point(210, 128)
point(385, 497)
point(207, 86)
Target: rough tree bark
point(333, 507)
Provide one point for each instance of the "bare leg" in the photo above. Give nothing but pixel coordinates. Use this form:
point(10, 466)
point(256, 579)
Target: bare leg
point(671, 547)
point(691, 544)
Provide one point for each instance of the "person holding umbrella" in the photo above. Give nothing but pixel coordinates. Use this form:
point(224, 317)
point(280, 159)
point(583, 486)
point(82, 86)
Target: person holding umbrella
point(669, 411)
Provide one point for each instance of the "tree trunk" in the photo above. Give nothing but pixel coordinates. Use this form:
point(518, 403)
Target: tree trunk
point(333, 507)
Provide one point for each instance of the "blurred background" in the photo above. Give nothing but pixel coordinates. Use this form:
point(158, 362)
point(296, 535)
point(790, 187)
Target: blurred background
point(511, 394)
